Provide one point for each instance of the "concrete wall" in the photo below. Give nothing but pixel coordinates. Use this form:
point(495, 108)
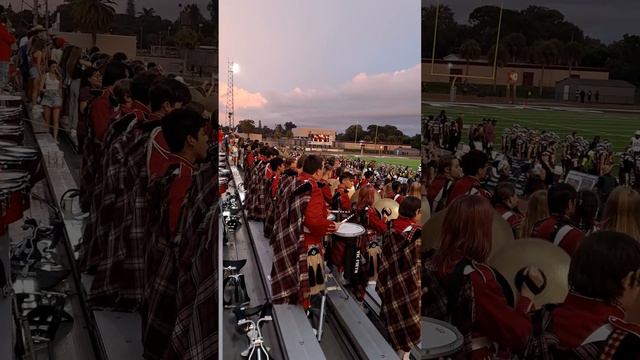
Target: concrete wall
point(611, 95)
point(107, 43)
point(551, 75)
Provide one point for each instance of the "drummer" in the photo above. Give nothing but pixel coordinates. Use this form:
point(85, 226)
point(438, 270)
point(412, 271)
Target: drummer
point(399, 278)
point(449, 171)
point(604, 284)
point(474, 167)
point(277, 165)
point(341, 199)
point(558, 228)
point(479, 306)
point(505, 202)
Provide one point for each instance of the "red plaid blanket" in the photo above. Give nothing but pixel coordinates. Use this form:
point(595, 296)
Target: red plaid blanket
point(289, 275)
point(195, 336)
point(269, 210)
point(280, 205)
point(399, 286)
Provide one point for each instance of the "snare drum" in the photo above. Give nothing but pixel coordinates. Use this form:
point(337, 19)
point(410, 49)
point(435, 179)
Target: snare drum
point(349, 234)
point(331, 217)
point(14, 187)
point(440, 340)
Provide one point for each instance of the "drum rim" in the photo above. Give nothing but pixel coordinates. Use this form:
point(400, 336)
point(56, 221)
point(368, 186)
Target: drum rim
point(12, 186)
point(340, 234)
point(444, 350)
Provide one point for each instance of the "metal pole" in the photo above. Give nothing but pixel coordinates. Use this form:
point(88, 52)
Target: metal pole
point(322, 309)
point(375, 140)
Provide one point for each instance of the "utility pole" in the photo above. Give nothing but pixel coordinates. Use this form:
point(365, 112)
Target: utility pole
point(375, 140)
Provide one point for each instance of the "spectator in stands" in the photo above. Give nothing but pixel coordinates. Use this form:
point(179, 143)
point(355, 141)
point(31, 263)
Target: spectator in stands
point(606, 183)
point(36, 57)
point(51, 88)
point(621, 212)
point(537, 210)
point(6, 41)
point(56, 51)
point(119, 57)
point(73, 66)
point(586, 213)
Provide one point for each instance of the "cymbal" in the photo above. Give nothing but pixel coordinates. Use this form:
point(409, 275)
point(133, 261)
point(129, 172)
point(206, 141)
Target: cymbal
point(389, 204)
point(501, 232)
point(426, 210)
point(333, 185)
point(549, 258)
point(354, 198)
point(352, 190)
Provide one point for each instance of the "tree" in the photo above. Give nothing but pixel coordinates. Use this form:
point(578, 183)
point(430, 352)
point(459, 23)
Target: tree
point(545, 53)
point(212, 7)
point(93, 15)
point(289, 126)
point(147, 12)
point(246, 126)
point(448, 31)
point(470, 50)
point(131, 8)
point(499, 60)
point(515, 44)
point(573, 54)
point(353, 133)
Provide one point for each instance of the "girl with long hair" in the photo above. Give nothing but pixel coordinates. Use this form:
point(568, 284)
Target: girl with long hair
point(622, 212)
point(537, 210)
point(51, 87)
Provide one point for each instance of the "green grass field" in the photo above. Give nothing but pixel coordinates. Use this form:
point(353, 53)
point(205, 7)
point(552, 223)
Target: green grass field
point(616, 127)
point(398, 161)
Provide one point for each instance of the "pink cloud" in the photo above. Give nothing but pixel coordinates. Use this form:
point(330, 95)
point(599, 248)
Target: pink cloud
point(242, 98)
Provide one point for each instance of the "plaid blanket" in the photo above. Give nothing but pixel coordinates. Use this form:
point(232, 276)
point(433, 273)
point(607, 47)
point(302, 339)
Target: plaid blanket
point(281, 204)
point(399, 287)
point(252, 198)
point(160, 273)
point(195, 336)
point(289, 275)
point(105, 289)
point(260, 192)
point(269, 209)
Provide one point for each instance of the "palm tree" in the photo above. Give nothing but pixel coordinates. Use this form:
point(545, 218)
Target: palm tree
point(545, 53)
point(93, 15)
point(147, 12)
point(515, 44)
point(573, 53)
point(470, 50)
point(186, 39)
point(500, 60)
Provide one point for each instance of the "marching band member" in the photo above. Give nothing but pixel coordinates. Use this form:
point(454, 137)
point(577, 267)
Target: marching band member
point(474, 167)
point(277, 166)
point(621, 212)
point(399, 278)
point(341, 200)
point(537, 210)
point(188, 142)
point(505, 202)
point(604, 281)
point(283, 193)
point(464, 291)
point(366, 179)
point(558, 228)
point(449, 171)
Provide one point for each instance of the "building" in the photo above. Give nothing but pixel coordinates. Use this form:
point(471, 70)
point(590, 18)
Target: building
point(608, 91)
point(528, 74)
point(314, 137)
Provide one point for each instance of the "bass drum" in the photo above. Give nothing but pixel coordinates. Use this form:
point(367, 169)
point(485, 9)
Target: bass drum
point(440, 340)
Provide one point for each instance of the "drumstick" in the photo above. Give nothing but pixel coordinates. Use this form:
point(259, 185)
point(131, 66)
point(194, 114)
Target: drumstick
point(345, 220)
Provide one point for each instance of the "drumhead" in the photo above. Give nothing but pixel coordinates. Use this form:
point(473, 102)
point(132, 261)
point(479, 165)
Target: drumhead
point(331, 217)
point(350, 230)
point(439, 339)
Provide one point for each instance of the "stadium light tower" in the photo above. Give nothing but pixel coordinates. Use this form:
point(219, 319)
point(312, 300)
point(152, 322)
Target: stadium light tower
point(233, 68)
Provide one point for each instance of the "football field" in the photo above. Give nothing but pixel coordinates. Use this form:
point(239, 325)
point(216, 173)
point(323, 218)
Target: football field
point(397, 161)
point(616, 127)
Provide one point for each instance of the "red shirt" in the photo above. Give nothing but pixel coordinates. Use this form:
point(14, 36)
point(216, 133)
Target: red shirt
point(274, 185)
point(466, 186)
point(251, 159)
point(6, 40)
point(101, 114)
point(578, 317)
point(434, 189)
point(315, 216)
point(363, 183)
point(568, 241)
point(375, 222)
point(326, 192)
point(178, 191)
point(159, 158)
point(140, 110)
point(345, 202)
point(398, 198)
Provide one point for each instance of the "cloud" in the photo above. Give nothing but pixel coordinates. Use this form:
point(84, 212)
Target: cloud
point(387, 98)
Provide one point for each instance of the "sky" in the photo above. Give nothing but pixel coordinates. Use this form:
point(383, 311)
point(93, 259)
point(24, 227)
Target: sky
point(329, 63)
point(605, 20)
point(168, 9)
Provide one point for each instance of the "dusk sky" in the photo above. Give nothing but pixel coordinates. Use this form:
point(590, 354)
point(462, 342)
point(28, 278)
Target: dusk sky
point(327, 63)
point(604, 20)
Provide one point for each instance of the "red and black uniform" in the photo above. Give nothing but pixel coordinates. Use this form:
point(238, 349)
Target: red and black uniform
point(583, 328)
point(341, 200)
point(270, 209)
point(512, 216)
point(481, 312)
point(438, 192)
point(102, 111)
point(398, 198)
point(159, 156)
point(559, 230)
point(363, 183)
point(315, 217)
point(467, 185)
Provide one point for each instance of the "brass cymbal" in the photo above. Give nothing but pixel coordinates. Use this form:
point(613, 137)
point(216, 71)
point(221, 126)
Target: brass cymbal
point(426, 210)
point(501, 232)
point(354, 198)
point(352, 190)
point(333, 185)
point(549, 258)
point(389, 204)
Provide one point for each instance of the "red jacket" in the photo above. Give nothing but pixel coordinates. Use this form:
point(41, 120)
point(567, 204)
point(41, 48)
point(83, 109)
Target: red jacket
point(101, 114)
point(345, 202)
point(559, 230)
point(251, 159)
point(578, 317)
point(274, 185)
point(6, 40)
point(468, 185)
point(315, 216)
point(159, 158)
point(434, 191)
point(375, 222)
point(513, 217)
point(178, 191)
